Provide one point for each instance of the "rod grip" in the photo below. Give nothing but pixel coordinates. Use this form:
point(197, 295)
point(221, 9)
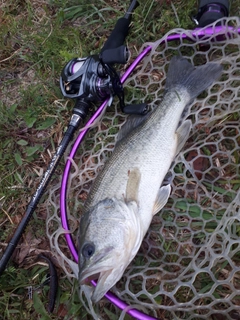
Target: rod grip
point(115, 55)
point(118, 35)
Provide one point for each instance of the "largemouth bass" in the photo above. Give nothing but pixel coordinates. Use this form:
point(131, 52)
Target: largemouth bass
point(128, 191)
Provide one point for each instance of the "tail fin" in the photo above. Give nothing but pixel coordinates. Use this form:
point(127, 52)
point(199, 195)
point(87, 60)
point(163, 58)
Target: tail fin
point(182, 73)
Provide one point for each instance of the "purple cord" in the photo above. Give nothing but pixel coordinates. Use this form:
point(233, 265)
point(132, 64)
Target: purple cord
point(198, 33)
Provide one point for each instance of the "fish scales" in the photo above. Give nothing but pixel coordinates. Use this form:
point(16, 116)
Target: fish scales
point(145, 148)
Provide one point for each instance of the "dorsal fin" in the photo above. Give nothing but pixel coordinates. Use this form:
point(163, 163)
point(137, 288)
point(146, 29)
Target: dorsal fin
point(132, 122)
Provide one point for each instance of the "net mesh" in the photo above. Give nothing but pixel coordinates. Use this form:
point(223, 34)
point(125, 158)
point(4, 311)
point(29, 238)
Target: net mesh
point(188, 266)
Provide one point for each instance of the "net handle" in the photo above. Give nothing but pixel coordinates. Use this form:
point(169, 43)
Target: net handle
point(196, 33)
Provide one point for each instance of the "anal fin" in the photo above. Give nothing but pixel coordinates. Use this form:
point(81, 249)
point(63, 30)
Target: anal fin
point(162, 198)
point(182, 134)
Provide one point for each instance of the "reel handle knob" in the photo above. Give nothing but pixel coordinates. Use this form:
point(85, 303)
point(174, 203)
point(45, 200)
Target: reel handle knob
point(137, 109)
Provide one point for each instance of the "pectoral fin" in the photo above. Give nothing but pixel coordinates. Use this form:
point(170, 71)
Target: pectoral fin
point(182, 134)
point(133, 182)
point(162, 198)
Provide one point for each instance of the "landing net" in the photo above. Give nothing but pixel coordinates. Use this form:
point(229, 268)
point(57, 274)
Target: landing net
point(188, 266)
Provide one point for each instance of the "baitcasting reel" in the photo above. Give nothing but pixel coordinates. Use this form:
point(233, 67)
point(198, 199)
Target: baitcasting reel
point(93, 79)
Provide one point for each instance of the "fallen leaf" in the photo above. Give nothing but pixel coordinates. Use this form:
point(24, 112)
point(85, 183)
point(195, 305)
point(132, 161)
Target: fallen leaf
point(29, 241)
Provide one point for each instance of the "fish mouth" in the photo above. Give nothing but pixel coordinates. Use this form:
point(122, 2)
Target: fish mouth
point(105, 281)
point(102, 279)
point(91, 269)
point(87, 278)
point(102, 269)
point(88, 273)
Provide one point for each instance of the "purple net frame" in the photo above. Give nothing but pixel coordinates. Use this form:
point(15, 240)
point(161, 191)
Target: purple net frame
point(197, 33)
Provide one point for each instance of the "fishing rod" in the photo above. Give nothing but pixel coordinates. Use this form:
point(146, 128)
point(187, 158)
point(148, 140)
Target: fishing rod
point(88, 80)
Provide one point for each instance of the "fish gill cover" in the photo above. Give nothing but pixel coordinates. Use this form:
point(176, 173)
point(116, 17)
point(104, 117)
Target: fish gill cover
point(188, 266)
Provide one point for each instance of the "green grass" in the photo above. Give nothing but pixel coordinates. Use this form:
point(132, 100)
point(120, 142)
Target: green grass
point(37, 38)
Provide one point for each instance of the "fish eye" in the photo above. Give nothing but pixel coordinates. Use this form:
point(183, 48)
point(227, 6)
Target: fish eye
point(88, 250)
